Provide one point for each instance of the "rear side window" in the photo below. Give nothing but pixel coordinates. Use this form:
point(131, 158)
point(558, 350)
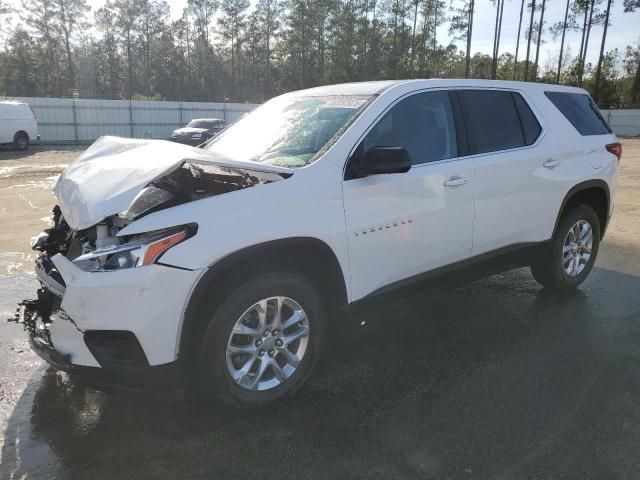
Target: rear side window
point(581, 111)
point(530, 126)
point(497, 120)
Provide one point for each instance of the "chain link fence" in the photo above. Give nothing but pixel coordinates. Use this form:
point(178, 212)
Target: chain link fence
point(68, 120)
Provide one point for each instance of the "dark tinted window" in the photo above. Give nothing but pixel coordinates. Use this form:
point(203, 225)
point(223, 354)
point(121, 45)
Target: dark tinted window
point(530, 126)
point(422, 123)
point(581, 111)
point(491, 120)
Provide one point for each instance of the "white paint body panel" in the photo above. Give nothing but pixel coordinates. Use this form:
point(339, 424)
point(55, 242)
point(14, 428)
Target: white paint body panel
point(147, 301)
point(509, 198)
point(402, 225)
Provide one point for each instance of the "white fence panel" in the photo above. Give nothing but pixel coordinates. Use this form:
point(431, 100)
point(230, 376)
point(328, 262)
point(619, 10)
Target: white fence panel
point(64, 120)
point(624, 123)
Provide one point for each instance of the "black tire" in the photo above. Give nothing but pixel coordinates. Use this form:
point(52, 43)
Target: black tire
point(213, 378)
point(21, 141)
point(549, 270)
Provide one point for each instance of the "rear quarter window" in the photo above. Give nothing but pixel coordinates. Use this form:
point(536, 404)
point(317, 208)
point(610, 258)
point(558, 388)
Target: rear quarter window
point(581, 111)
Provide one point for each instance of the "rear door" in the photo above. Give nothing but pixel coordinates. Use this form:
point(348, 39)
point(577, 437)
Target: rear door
point(401, 225)
point(515, 191)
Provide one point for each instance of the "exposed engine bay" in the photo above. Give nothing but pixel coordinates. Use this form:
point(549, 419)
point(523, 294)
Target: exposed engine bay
point(187, 183)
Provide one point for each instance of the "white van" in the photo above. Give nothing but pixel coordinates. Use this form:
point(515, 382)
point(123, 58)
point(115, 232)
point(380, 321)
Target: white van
point(18, 124)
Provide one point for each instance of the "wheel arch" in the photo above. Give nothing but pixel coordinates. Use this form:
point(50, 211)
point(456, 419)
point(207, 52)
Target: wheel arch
point(308, 256)
point(594, 193)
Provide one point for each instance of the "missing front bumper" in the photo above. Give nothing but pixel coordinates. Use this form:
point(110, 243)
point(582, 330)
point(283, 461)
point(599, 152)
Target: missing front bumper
point(34, 316)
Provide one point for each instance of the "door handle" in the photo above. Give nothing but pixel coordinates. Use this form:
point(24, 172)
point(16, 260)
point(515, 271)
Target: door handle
point(551, 163)
point(455, 181)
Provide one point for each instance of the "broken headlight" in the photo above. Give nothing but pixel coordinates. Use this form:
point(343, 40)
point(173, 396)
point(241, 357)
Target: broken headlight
point(143, 250)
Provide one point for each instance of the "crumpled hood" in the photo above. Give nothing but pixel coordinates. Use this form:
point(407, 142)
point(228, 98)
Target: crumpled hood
point(106, 178)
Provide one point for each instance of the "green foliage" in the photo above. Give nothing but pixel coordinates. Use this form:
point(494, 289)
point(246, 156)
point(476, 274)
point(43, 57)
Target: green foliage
point(242, 50)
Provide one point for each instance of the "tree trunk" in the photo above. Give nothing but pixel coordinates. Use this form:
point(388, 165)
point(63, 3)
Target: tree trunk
point(435, 41)
point(584, 33)
point(515, 62)
point(467, 64)
point(413, 33)
point(600, 58)
point(70, 69)
point(564, 31)
point(494, 60)
point(526, 66)
point(540, 27)
point(129, 64)
point(395, 40)
point(586, 45)
point(497, 48)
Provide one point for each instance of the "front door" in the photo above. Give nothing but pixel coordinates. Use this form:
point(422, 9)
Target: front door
point(400, 225)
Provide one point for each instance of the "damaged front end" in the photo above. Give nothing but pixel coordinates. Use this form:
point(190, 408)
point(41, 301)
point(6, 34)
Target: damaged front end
point(81, 316)
point(36, 315)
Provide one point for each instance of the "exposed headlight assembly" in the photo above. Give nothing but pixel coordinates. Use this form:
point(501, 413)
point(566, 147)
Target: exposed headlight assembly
point(143, 250)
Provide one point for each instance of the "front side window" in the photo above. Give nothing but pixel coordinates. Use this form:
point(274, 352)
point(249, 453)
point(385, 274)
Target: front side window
point(289, 131)
point(422, 123)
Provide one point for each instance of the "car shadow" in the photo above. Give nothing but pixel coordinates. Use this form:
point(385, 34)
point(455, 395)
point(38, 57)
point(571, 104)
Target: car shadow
point(497, 379)
point(8, 152)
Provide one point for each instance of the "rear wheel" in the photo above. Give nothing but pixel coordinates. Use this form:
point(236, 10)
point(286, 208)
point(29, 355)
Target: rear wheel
point(21, 141)
point(573, 250)
point(262, 340)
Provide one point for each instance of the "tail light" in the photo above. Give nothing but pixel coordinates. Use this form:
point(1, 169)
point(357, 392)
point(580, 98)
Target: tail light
point(615, 148)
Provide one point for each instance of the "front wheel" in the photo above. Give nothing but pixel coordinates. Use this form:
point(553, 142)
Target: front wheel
point(262, 340)
point(573, 250)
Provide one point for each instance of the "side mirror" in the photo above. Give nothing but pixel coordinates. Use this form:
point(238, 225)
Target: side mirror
point(378, 160)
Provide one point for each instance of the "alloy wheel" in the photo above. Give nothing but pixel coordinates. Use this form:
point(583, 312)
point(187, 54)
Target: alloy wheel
point(576, 250)
point(267, 343)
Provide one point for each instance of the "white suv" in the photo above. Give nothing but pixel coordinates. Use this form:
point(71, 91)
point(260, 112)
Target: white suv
point(226, 264)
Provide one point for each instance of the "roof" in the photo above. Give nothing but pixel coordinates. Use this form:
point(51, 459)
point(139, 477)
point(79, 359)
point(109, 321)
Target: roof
point(373, 88)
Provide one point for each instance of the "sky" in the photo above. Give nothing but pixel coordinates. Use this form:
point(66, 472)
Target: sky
point(624, 30)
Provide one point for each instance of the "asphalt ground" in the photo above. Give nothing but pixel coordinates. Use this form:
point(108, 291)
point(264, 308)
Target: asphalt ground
point(499, 379)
